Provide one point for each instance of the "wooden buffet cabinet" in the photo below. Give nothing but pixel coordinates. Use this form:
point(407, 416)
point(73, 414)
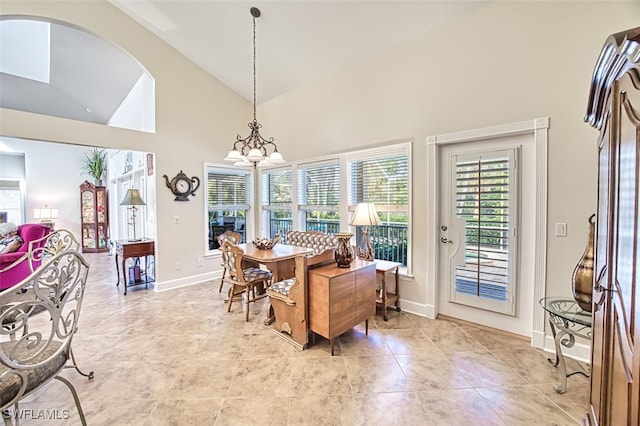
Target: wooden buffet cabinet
point(614, 109)
point(340, 298)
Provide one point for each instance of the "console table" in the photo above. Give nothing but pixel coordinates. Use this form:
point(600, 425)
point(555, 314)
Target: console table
point(340, 298)
point(127, 249)
point(566, 319)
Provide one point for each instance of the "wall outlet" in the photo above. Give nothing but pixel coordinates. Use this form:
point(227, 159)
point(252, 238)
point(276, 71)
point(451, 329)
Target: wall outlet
point(176, 219)
point(178, 266)
point(561, 229)
point(200, 262)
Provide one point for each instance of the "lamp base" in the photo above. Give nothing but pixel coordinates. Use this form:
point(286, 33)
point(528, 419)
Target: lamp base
point(365, 252)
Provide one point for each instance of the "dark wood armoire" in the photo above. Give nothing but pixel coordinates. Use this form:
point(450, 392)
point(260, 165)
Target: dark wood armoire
point(614, 109)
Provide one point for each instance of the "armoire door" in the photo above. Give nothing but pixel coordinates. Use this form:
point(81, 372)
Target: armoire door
point(615, 110)
point(623, 352)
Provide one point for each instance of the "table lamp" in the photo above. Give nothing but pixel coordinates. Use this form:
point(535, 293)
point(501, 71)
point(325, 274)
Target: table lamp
point(132, 199)
point(46, 215)
point(365, 216)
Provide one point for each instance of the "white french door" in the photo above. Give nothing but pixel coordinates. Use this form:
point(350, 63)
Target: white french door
point(487, 231)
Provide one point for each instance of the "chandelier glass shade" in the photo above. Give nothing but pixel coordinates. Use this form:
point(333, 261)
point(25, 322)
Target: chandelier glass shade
point(254, 150)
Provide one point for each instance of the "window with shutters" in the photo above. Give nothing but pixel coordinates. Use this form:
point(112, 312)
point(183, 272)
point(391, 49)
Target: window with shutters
point(277, 199)
point(324, 193)
point(11, 201)
point(381, 176)
point(319, 196)
point(229, 198)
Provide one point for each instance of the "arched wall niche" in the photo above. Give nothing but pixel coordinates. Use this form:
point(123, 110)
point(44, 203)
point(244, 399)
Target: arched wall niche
point(72, 73)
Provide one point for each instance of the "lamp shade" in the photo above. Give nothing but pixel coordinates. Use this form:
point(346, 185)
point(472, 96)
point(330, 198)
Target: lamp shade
point(365, 215)
point(132, 198)
point(45, 214)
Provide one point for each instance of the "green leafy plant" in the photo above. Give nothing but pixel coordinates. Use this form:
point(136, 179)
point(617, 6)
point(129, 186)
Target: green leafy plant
point(95, 163)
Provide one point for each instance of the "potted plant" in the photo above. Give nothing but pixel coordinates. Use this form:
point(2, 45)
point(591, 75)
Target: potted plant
point(95, 164)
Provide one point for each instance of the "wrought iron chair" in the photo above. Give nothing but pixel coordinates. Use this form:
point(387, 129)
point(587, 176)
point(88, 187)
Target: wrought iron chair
point(56, 242)
point(242, 280)
point(234, 238)
point(34, 349)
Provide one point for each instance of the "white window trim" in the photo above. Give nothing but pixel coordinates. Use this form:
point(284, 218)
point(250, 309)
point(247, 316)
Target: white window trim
point(405, 145)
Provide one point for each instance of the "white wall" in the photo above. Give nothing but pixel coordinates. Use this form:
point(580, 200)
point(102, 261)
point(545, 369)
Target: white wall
point(506, 62)
point(503, 63)
point(197, 118)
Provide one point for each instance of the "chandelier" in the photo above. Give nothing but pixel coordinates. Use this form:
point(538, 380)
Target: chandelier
point(253, 150)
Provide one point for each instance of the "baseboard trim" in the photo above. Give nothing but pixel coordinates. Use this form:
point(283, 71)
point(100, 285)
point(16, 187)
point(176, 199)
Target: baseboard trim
point(538, 339)
point(185, 282)
point(415, 308)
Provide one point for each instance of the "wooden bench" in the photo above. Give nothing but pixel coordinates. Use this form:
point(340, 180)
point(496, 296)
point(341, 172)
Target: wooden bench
point(288, 297)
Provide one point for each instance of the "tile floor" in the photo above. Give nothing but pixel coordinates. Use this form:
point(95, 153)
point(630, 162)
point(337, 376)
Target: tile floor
point(178, 358)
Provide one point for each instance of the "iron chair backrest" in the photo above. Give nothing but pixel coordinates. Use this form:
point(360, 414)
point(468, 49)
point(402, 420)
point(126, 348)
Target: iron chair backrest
point(33, 349)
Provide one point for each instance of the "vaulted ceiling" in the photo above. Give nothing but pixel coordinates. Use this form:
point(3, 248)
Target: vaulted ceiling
point(297, 42)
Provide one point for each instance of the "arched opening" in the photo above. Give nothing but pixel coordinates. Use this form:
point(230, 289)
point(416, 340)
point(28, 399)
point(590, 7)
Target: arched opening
point(57, 69)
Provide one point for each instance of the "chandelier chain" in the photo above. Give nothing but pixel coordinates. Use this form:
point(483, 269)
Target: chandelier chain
point(254, 69)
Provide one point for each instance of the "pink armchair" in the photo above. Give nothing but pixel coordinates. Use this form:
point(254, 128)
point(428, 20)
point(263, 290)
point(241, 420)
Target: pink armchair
point(16, 266)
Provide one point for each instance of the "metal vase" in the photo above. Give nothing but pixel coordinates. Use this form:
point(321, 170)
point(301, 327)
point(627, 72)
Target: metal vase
point(582, 279)
point(344, 253)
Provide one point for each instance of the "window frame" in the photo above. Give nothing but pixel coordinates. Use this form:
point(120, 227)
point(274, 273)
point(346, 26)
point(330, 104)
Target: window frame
point(345, 208)
point(248, 205)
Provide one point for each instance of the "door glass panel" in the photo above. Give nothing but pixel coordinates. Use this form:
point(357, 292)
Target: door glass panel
point(484, 208)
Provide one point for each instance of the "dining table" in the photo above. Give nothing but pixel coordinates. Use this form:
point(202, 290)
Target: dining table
point(279, 260)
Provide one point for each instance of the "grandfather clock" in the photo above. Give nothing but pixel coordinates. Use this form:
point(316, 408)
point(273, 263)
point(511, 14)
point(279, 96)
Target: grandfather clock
point(614, 109)
point(94, 218)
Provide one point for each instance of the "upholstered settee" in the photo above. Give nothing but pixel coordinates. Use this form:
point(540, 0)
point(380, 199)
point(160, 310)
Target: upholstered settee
point(323, 245)
point(288, 297)
point(16, 266)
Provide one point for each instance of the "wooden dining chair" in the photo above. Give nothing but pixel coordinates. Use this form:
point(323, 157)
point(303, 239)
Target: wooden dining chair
point(242, 280)
point(234, 238)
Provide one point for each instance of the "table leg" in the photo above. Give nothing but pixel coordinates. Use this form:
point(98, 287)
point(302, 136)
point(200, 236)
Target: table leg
point(559, 361)
point(146, 268)
point(397, 289)
point(117, 271)
point(124, 275)
point(384, 296)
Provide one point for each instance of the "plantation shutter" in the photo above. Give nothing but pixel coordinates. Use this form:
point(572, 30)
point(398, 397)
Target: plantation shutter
point(381, 177)
point(229, 189)
point(319, 186)
point(485, 200)
point(277, 189)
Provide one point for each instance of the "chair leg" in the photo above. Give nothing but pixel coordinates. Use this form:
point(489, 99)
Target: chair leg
point(231, 294)
point(75, 365)
point(75, 398)
point(248, 300)
point(224, 271)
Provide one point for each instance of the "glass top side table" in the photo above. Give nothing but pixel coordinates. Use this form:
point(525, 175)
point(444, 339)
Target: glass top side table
point(567, 320)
